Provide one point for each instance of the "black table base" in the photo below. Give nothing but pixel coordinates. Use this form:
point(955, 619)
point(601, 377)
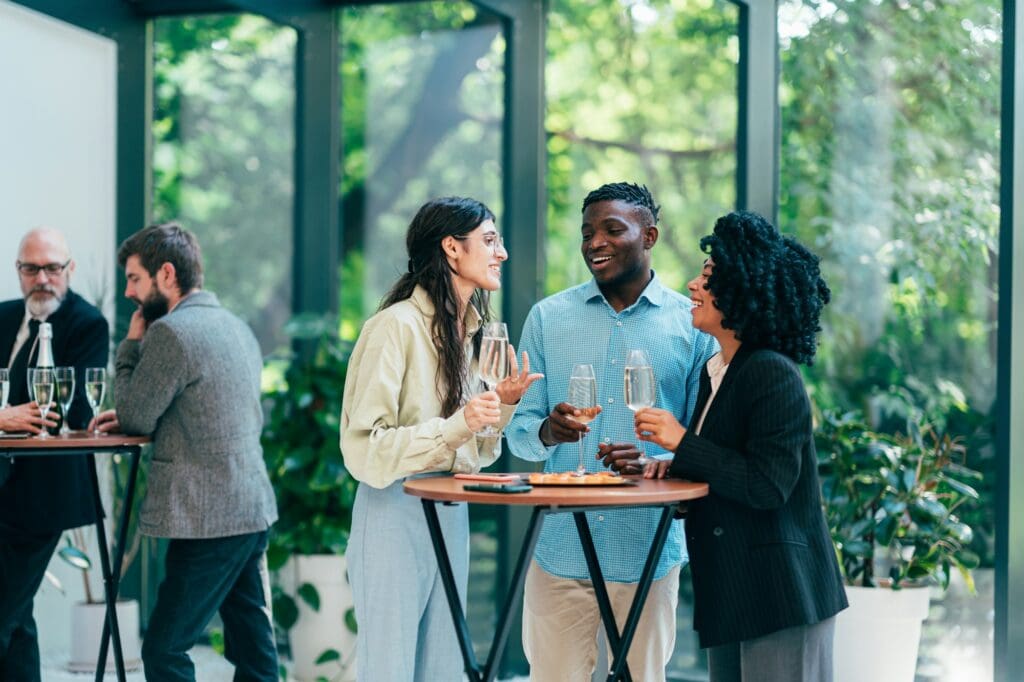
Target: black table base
point(110, 564)
point(618, 642)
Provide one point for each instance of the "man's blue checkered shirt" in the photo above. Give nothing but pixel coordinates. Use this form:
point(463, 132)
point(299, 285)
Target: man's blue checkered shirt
point(579, 326)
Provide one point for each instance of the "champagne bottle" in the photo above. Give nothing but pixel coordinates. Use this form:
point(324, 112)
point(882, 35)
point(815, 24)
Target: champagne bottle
point(44, 360)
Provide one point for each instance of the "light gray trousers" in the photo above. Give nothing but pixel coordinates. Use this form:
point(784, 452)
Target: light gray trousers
point(799, 654)
point(405, 627)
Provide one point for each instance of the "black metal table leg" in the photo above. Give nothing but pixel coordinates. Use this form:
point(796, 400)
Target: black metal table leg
point(109, 583)
point(515, 592)
point(604, 604)
point(451, 590)
point(119, 548)
point(643, 587)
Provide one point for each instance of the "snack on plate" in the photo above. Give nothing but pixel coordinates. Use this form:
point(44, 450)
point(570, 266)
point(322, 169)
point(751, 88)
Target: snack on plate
point(570, 478)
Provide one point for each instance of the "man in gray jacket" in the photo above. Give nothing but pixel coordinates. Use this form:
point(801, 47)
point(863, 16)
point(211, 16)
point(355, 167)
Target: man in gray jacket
point(189, 374)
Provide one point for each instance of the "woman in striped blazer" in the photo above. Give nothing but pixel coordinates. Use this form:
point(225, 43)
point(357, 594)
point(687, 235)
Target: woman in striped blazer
point(766, 582)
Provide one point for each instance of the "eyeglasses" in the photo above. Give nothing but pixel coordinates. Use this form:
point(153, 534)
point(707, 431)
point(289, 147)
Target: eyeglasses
point(51, 269)
point(491, 240)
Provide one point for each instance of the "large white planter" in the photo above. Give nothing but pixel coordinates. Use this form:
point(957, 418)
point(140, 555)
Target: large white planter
point(87, 628)
point(318, 631)
point(878, 636)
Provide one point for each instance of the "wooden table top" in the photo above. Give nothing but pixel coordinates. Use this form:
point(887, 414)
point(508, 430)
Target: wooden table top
point(75, 439)
point(645, 492)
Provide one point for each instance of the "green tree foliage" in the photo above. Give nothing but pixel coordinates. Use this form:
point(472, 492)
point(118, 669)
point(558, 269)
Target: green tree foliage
point(641, 91)
point(890, 170)
point(223, 128)
point(422, 111)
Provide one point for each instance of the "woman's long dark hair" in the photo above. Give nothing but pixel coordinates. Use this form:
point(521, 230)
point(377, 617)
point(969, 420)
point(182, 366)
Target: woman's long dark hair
point(768, 287)
point(428, 267)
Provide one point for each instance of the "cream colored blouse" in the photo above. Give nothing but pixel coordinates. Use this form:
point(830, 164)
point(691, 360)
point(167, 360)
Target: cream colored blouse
point(390, 419)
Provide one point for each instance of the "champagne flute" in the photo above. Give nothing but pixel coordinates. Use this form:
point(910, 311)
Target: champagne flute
point(65, 377)
point(95, 389)
point(583, 397)
point(43, 386)
point(493, 363)
point(5, 388)
point(640, 389)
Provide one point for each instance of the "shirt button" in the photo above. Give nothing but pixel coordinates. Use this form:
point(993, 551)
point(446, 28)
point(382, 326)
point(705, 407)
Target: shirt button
point(618, 323)
point(613, 361)
point(600, 518)
point(611, 400)
point(607, 439)
point(718, 531)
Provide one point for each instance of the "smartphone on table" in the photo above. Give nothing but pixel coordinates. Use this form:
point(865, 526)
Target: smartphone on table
point(498, 487)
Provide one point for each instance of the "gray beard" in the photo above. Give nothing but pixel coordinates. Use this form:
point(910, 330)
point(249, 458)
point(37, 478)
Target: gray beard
point(42, 308)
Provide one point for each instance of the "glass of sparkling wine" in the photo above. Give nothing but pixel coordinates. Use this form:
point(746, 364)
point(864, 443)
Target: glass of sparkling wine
point(640, 389)
point(493, 362)
point(5, 387)
point(43, 386)
point(95, 389)
point(65, 377)
point(583, 397)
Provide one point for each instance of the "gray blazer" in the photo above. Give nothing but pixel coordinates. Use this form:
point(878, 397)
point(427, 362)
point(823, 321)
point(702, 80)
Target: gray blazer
point(193, 382)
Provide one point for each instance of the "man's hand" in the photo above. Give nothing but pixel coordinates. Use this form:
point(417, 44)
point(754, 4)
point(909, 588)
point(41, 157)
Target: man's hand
point(26, 418)
point(137, 326)
point(620, 457)
point(106, 422)
point(560, 427)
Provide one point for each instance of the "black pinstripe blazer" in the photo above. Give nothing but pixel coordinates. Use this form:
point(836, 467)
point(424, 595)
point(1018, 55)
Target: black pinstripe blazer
point(760, 553)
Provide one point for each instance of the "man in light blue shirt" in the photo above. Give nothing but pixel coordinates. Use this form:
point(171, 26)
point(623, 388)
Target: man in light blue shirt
point(624, 307)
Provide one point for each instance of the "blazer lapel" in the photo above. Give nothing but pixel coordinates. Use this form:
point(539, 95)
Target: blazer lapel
point(703, 393)
point(704, 390)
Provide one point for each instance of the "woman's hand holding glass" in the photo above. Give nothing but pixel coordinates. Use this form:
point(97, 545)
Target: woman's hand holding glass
point(513, 387)
point(659, 426)
point(482, 410)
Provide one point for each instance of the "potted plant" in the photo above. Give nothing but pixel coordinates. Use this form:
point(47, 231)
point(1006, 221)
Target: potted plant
point(891, 503)
point(315, 494)
point(87, 617)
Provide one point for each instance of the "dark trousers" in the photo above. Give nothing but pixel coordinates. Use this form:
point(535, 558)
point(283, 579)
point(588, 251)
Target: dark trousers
point(23, 561)
point(203, 577)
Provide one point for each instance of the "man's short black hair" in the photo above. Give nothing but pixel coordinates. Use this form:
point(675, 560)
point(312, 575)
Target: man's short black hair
point(637, 195)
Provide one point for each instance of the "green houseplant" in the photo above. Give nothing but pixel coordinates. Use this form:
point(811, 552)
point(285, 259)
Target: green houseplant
point(315, 492)
point(891, 502)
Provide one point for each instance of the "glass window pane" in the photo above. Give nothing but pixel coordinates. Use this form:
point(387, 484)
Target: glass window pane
point(422, 113)
point(223, 155)
point(890, 169)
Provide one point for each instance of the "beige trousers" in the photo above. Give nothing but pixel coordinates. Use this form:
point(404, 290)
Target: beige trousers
point(561, 622)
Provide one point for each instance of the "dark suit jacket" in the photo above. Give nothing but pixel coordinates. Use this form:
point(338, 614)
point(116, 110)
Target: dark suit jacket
point(760, 552)
point(49, 494)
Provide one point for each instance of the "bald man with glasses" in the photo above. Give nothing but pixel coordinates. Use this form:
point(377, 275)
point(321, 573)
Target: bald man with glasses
point(41, 497)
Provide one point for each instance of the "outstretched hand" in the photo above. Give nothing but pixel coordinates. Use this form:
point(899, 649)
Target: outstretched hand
point(513, 387)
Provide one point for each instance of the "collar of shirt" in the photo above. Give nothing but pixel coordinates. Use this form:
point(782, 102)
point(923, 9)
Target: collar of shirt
point(716, 370)
point(22, 335)
point(653, 293)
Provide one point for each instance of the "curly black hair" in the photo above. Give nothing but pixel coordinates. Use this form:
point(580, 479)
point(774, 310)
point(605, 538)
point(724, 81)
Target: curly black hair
point(768, 287)
point(636, 195)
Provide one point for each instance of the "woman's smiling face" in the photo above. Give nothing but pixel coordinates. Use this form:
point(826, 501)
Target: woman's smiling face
point(706, 315)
